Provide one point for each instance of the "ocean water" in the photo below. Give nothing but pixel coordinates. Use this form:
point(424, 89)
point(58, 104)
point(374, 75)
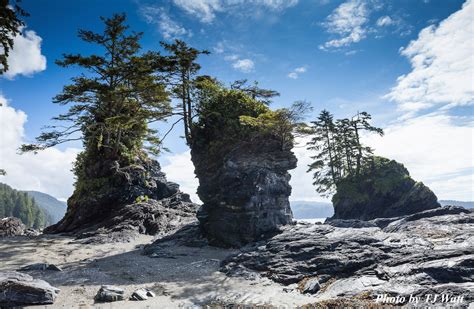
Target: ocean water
point(313, 220)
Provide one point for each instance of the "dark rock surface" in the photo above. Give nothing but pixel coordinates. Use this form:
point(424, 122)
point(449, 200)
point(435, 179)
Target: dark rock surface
point(429, 251)
point(384, 190)
point(17, 289)
point(109, 293)
point(11, 226)
point(244, 191)
point(141, 201)
point(40, 266)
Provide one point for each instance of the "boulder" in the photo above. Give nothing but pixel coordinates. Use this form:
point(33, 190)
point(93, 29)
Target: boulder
point(17, 289)
point(244, 190)
point(109, 293)
point(142, 294)
point(140, 200)
point(385, 189)
point(11, 226)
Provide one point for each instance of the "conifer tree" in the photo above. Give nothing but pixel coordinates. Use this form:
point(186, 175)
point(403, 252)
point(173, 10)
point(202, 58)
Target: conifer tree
point(181, 68)
point(339, 151)
point(10, 26)
point(112, 102)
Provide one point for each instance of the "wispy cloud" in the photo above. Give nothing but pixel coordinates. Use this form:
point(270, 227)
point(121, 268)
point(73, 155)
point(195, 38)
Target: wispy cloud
point(169, 28)
point(296, 72)
point(442, 71)
point(206, 10)
point(348, 21)
point(243, 65)
point(385, 21)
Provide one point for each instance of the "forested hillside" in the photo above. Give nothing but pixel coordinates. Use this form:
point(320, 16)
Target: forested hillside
point(50, 205)
point(19, 204)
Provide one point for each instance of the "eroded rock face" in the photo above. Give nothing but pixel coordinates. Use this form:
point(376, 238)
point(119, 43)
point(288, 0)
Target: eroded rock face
point(244, 191)
point(140, 200)
point(429, 252)
point(17, 289)
point(385, 190)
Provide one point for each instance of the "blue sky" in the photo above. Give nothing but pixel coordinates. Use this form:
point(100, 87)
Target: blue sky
point(398, 60)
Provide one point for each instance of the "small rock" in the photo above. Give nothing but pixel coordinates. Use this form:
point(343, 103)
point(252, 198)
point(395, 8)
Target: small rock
point(17, 289)
point(311, 286)
point(40, 266)
point(109, 293)
point(140, 294)
point(150, 293)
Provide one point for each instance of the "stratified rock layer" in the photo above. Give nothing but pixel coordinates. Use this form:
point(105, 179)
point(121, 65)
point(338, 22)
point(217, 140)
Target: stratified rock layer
point(428, 252)
point(140, 200)
point(384, 190)
point(244, 191)
point(17, 289)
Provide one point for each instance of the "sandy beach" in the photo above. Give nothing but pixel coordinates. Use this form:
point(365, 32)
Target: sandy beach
point(181, 277)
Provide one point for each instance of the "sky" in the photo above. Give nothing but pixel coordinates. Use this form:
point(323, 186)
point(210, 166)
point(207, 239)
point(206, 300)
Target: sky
point(409, 63)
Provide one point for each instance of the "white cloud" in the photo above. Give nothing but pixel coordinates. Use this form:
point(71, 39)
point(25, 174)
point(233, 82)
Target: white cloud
point(180, 169)
point(244, 65)
point(169, 28)
point(296, 72)
point(231, 57)
point(49, 171)
point(436, 149)
point(348, 21)
point(205, 10)
point(202, 9)
point(442, 66)
point(385, 21)
point(25, 58)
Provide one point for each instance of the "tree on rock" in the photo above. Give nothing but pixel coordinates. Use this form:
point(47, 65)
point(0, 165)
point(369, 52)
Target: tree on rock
point(110, 107)
point(363, 186)
point(339, 150)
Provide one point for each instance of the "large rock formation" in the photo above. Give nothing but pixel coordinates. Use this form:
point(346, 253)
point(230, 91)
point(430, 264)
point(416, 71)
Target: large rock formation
point(427, 252)
point(384, 190)
point(17, 289)
point(244, 191)
point(139, 199)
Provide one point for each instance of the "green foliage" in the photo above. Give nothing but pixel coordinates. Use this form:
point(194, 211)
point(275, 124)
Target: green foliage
point(380, 177)
point(10, 26)
point(19, 204)
point(281, 123)
point(141, 199)
point(181, 68)
point(339, 154)
point(112, 103)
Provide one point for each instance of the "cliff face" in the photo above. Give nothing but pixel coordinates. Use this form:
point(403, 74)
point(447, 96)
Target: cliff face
point(135, 198)
point(385, 190)
point(244, 190)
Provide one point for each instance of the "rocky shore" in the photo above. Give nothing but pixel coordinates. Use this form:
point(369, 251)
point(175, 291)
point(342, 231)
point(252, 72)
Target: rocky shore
point(347, 263)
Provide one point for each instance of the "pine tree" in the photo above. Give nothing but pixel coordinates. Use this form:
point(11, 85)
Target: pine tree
point(181, 68)
point(340, 153)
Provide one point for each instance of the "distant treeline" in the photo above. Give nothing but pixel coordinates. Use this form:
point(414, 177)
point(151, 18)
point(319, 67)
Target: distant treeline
point(19, 204)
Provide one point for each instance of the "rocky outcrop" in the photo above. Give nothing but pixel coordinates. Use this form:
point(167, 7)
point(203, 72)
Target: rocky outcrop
point(244, 190)
point(428, 252)
point(17, 289)
point(140, 200)
point(11, 226)
point(384, 190)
